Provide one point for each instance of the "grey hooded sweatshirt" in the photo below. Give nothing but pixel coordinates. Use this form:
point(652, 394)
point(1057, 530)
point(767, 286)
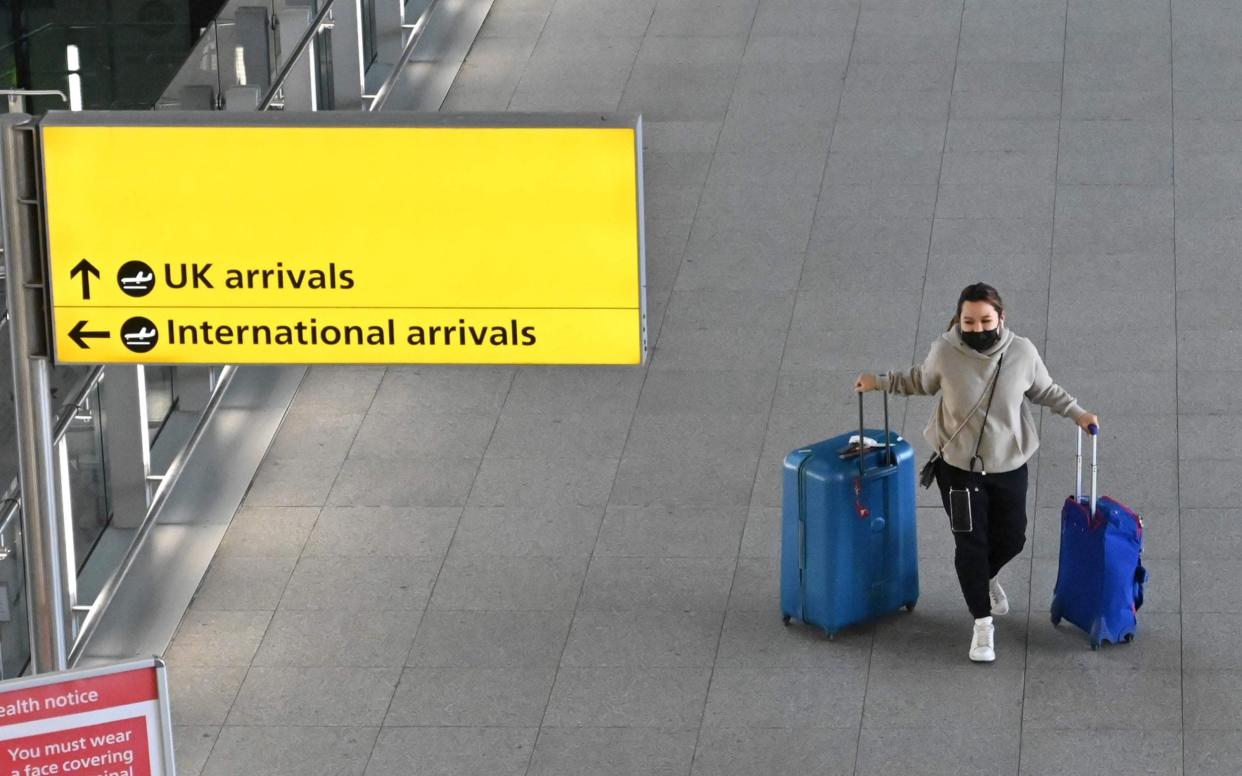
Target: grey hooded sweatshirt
point(963, 378)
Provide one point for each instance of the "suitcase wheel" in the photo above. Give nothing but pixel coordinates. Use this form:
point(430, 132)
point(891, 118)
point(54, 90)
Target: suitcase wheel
point(1128, 638)
point(785, 620)
point(832, 635)
point(910, 606)
point(1056, 619)
point(1095, 646)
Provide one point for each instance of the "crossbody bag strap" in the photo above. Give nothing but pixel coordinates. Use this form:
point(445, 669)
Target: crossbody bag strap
point(983, 428)
point(972, 412)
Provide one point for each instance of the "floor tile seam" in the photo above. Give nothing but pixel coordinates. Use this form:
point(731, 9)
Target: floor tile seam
point(655, 344)
point(270, 611)
point(342, 666)
point(785, 728)
point(1230, 671)
point(1119, 120)
point(594, 610)
point(1087, 652)
point(549, 665)
point(673, 728)
point(685, 666)
point(737, 522)
point(1181, 652)
point(298, 727)
point(1042, 728)
point(521, 76)
point(352, 608)
point(428, 452)
point(987, 729)
point(1196, 558)
point(1052, 256)
point(872, 726)
point(377, 727)
point(372, 731)
point(823, 178)
point(293, 569)
point(653, 339)
point(552, 457)
point(439, 571)
point(1123, 185)
point(501, 610)
point(1036, 220)
point(638, 727)
point(524, 62)
point(382, 558)
point(379, 556)
point(629, 76)
point(1092, 729)
point(927, 258)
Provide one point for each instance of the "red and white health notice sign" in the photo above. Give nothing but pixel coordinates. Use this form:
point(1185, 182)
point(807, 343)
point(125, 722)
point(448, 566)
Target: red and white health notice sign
point(108, 721)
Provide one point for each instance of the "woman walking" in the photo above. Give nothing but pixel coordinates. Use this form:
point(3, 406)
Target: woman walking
point(983, 434)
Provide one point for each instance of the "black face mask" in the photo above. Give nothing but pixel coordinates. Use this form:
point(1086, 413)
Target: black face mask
point(980, 340)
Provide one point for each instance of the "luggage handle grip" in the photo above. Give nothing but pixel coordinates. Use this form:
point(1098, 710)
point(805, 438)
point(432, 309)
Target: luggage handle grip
point(862, 448)
point(1095, 438)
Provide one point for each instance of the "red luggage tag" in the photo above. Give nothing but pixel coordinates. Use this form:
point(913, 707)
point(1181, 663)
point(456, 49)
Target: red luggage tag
point(863, 512)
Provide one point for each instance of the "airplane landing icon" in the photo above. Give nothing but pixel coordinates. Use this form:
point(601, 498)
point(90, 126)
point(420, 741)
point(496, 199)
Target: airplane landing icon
point(139, 334)
point(136, 278)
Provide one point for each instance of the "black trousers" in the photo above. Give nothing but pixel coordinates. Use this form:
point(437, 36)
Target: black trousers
point(998, 506)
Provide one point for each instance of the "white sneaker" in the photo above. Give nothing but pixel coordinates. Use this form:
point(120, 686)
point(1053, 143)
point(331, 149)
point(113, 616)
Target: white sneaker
point(1000, 603)
point(981, 648)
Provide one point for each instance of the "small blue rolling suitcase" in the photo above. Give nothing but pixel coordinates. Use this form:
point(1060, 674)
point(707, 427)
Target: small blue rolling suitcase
point(849, 545)
point(1100, 577)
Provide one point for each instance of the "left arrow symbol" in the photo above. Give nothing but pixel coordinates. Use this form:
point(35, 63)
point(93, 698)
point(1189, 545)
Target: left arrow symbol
point(79, 336)
point(85, 269)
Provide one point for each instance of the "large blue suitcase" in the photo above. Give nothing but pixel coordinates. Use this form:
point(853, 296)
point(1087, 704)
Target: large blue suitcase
point(1100, 575)
point(849, 543)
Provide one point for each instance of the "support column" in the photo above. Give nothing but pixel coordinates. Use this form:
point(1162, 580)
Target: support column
point(43, 535)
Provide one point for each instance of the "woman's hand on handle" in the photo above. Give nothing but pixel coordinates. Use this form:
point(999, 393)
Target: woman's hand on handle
point(1088, 420)
point(866, 382)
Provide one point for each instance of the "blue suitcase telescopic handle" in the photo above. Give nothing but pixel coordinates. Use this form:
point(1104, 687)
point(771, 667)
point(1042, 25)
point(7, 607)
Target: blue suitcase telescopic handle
point(862, 448)
point(1095, 438)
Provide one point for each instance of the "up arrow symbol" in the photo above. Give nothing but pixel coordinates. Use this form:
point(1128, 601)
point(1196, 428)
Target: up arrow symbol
point(85, 269)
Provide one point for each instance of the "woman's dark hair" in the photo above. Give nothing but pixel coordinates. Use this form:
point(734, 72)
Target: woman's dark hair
point(977, 292)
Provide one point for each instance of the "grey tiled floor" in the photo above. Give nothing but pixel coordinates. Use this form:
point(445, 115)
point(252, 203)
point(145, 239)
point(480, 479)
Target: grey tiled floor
point(573, 571)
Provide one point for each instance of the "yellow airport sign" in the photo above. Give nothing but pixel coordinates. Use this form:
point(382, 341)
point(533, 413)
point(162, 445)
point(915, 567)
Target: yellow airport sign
point(209, 238)
point(351, 336)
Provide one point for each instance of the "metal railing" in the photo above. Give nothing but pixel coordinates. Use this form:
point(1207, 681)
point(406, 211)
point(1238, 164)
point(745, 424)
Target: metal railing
point(416, 30)
point(17, 97)
point(317, 26)
point(76, 403)
point(314, 53)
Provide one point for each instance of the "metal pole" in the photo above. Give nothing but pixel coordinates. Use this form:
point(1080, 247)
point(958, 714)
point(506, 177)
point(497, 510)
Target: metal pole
point(1078, 469)
point(43, 537)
